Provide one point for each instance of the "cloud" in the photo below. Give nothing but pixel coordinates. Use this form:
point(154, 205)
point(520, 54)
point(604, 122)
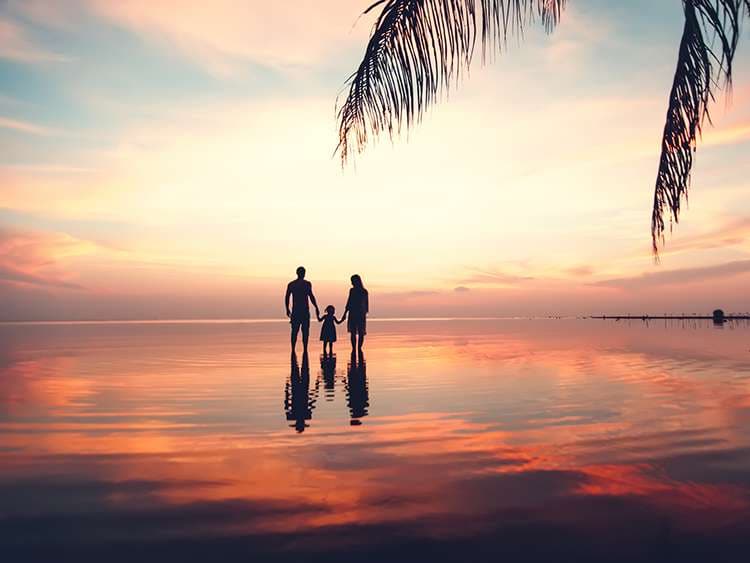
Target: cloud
point(25, 127)
point(222, 34)
point(731, 135)
point(409, 294)
point(731, 233)
point(679, 276)
point(580, 271)
point(496, 277)
point(8, 274)
point(461, 289)
point(30, 258)
point(16, 46)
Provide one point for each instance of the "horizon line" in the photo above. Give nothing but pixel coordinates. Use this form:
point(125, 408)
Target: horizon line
point(261, 320)
point(250, 320)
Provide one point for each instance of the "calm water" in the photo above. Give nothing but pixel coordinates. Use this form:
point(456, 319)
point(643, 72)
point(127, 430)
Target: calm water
point(451, 441)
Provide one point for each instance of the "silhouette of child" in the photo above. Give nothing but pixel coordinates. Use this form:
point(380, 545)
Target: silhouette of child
point(328, 330)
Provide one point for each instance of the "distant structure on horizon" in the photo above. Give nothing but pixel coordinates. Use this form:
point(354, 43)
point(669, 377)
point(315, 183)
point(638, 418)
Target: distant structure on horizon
point(718, 317)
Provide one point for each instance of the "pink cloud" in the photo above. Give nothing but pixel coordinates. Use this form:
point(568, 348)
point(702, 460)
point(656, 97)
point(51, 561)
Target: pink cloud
point(733, 232)
point(25, 127)
point(680, 276)
point(30, 258)
point(222, 33)
point(16, 46)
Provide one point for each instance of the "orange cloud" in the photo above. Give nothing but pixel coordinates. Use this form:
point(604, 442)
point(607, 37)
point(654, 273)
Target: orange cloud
point(734, 134)
point(33, 258)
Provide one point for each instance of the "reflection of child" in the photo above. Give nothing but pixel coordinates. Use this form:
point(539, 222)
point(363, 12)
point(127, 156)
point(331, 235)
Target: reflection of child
point(328, 330)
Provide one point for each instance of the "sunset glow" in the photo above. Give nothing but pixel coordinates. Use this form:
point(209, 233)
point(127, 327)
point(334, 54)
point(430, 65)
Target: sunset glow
point(161, 162)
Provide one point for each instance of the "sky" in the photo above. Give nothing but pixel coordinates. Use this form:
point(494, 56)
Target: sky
point(166, 159)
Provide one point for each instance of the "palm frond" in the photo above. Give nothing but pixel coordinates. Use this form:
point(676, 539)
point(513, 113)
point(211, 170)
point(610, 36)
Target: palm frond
point(417, 49)
point(704, 66)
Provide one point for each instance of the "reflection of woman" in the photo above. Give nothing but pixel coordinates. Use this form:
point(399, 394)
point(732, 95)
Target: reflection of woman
point(357, 394)
point(357, 307)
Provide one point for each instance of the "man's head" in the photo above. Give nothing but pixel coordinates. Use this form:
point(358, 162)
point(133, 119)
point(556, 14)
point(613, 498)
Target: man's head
point(301, 272)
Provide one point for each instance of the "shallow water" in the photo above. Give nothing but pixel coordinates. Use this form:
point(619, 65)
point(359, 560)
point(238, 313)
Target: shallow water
point(449, 441)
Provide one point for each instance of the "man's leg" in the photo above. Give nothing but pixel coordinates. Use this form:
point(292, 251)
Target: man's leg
point(295, 330)
point(305, 332)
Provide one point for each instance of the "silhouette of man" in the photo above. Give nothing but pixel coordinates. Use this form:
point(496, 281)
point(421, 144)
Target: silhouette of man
point(301, 293)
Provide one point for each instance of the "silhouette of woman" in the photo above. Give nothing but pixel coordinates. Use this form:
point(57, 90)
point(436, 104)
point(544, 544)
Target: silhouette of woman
point(357, 307)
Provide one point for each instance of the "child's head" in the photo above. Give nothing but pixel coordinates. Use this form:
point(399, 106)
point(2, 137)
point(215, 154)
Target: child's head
point(330, 309)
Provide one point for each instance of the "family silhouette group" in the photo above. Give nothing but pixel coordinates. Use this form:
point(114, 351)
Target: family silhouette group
point(300, 293)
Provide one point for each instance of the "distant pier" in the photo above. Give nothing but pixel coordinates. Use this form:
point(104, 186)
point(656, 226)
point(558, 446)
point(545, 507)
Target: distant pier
point(669, 317)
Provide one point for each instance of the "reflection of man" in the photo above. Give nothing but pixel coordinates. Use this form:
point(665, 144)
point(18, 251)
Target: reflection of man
point(300, 290)
point(297, 402)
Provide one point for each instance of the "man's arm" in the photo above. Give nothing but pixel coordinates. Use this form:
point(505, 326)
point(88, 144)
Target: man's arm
point(313, 301)
point(286, 300)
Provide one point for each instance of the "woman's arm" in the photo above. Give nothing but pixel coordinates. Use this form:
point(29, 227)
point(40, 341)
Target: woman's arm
point(348, 304)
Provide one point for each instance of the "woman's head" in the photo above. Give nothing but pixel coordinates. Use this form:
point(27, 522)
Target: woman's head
point(357, 281)
point(330, 309)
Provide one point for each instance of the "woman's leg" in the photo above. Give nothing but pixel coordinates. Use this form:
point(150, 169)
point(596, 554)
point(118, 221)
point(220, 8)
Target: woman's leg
point(361, 339)
point(354, 340)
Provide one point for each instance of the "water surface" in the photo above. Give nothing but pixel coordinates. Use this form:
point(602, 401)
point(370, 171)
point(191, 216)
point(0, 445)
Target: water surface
point(448, 441)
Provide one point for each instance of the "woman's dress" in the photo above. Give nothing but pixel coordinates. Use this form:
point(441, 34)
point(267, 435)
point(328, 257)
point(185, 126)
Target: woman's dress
point(358, 305)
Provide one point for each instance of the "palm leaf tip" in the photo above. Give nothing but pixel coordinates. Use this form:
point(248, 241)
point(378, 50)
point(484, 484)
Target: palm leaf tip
point(704, 66)
point(417, 49)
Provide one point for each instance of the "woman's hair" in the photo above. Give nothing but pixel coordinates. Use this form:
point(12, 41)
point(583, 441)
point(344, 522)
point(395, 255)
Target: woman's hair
point(357, 281)
point(330, 309)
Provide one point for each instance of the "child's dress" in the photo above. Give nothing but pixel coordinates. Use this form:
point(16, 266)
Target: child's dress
point(328, 330)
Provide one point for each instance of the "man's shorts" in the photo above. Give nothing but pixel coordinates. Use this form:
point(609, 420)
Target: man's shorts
point(300, 321)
